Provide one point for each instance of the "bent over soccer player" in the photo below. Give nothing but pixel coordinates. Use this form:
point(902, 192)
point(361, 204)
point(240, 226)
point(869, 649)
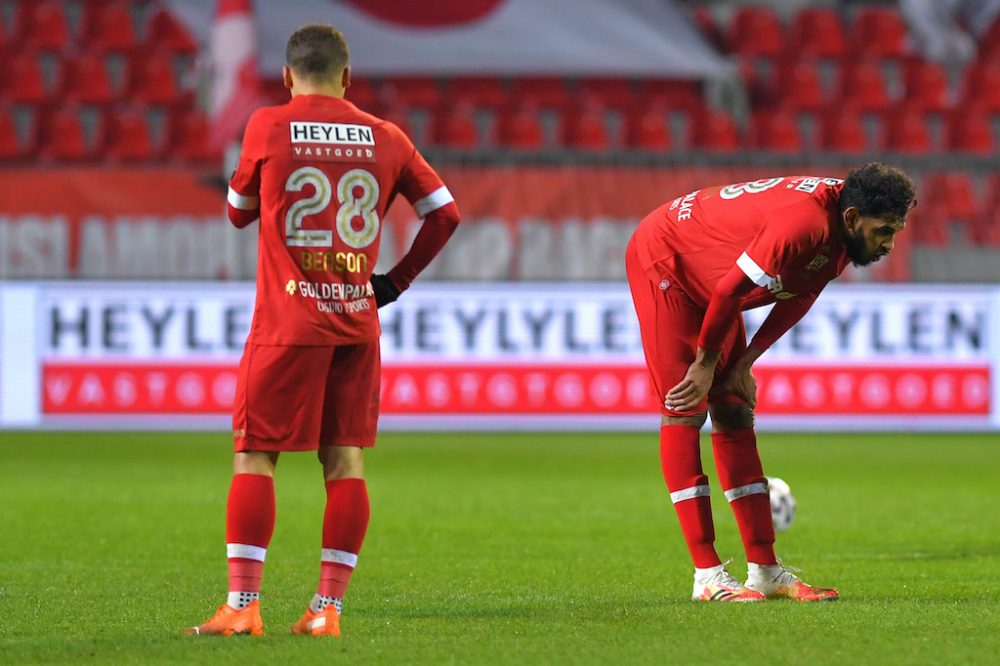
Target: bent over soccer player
point(693, 265)
point(320, 174)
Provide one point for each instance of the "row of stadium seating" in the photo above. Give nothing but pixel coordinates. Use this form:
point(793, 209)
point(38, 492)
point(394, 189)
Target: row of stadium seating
point(97, 26)
point(955, 207)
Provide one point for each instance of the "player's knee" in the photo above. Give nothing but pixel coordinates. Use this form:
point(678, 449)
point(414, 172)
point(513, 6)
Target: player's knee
point(696, 420)
point(255, 462)
point(731, 416)
point(342, 462)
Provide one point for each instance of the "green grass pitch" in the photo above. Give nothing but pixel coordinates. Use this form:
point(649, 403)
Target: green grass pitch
point(499, 549)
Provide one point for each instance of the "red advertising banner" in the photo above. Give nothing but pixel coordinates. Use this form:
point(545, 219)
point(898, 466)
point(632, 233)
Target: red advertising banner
point(519, 222)
point(602, 390)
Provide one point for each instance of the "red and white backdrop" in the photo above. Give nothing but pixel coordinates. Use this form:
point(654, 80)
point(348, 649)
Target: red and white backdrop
point(497, 356)
point(519, 223)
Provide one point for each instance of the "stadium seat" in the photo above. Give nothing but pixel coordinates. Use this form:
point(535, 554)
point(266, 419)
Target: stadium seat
point(190, 138)
point(817, 31)
point(953, 190)
point(362, 93)
point(929, 223)
point(420, 92)
point(981, 87)
point(755, 31)
point(879, 32)
point(25, 81)
point(584, 129)
point(108, 26)
point(42, 26)
point(906, 131)
point(926, 85)
point(87, 80)
point(648, 128)
point(129, 137)
point(65, 139)
point(674, 93)
point(151, 80)
point(843, 131)
point(611, 93)
point(777, 131)
point(544, 93)
point(400, 117)
point(11, 147)
point(970, 131)
point(456, 127)
point(862, 83)
point(521, 128)
point(800, 86)
point(715, 131)
point(166, 34)
point(484, 92)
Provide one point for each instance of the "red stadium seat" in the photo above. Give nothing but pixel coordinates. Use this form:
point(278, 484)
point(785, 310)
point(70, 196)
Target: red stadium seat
point(648, 129)
point(482, 92)
point(817, 31)
point(362, 93)
point(982, 86)
point(108, 26)
point(585, 129)
point(716, 131)
point(152, 80)
point(954, 191)
point(400, 117)
point(926, 85)
point(674, 93)
point(863, 84)
point(456, 127)
point(65, 139)
point(879, 32)
point(545, 93)
point(801, 87)
point(521, 128)
point(25, 81)
point(929, 223)
point(970, 131)
point(87, 80)
point(618, 94)
point(11, 147)
point(190, 138)
point(129, 138)
point(986, 229)
point(42, 26)
point(166, 33)
point(907, 131)
point(777, 131)
point(421, 92)
point(843, 131)
point(756, 31)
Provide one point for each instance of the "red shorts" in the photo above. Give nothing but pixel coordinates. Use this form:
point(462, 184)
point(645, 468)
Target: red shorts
point(301, 398)
point(669, 323)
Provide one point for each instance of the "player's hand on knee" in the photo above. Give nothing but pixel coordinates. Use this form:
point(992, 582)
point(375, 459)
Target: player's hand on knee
point(691, 390)
point(741, 382)
point(385, 291)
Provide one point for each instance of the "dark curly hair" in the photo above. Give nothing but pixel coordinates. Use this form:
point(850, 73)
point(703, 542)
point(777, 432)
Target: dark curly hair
point(878, 190)
point(316, 51)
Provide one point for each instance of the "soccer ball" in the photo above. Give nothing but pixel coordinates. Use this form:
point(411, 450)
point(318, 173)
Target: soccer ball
point(782, 503)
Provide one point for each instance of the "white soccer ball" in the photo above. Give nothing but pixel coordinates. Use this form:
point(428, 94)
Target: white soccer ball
point(782, 503)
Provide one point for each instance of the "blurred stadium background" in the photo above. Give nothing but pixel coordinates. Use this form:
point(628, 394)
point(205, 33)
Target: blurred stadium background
point(556, 130)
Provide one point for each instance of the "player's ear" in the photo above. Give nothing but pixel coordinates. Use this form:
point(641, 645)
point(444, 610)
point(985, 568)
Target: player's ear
point(851, 218)
point(286, 77)
point(345, 77)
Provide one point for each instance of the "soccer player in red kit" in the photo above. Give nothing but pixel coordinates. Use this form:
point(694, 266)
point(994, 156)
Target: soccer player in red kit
point(320, 174)
point(693, 265)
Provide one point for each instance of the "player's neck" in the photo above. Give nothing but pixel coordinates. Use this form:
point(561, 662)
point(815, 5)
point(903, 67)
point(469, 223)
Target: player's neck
point(328, 91)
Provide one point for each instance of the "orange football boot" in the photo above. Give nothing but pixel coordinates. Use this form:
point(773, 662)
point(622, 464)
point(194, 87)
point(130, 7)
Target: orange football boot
point(780, 583)
point(324, 623)
point(721, 586)
point(228, 621)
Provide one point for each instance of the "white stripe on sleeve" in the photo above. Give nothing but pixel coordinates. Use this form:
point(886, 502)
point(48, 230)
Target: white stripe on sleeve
point(753, 271)
point(439, 197)
point(241, 201)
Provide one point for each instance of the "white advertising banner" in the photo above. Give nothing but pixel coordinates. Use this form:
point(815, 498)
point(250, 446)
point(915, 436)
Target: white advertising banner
point(497, 356)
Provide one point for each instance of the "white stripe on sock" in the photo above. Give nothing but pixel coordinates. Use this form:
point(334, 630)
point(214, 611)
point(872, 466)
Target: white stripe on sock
point(245, 551)
point(339, 557)
point(690, 493)
point(734, 494)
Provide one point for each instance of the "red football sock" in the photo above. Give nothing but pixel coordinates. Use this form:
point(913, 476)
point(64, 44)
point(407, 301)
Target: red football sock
point(680, 455)
point(344, 525)
point(249, 525)
point(742, 477)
